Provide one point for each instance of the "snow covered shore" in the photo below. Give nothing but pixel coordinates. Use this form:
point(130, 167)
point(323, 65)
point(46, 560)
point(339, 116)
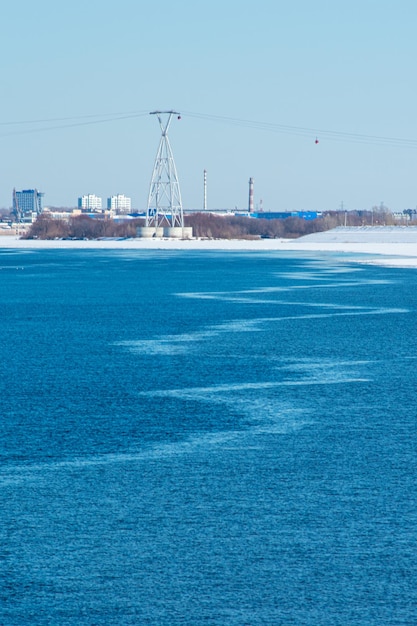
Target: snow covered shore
point(381, 245)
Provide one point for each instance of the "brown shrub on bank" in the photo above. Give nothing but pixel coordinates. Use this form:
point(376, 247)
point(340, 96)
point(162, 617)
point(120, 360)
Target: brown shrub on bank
point(206, 225)
point(81, 227)
point(239, 227)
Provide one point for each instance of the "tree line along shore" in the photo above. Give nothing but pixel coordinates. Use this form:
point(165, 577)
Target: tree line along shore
point(207, 225)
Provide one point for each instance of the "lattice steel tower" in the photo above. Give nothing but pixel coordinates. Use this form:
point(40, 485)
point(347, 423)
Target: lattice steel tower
point(164, 201)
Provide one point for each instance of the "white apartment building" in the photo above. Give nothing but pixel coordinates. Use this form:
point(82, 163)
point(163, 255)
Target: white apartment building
point(90, 202)
point(119, 203)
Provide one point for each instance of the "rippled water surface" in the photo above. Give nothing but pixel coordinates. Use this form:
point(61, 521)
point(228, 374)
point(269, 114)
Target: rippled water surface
point(196, 438)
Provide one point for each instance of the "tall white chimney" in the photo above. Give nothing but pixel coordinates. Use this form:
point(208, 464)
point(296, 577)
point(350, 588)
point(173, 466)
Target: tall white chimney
point(251, 204)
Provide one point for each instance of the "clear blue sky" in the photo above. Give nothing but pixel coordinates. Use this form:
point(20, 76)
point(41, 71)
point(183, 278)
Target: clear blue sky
point(336, 69)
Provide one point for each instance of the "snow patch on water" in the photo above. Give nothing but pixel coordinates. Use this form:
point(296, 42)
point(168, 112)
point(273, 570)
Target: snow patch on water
point(271, 419)
point(182, 343)
point(240, 296)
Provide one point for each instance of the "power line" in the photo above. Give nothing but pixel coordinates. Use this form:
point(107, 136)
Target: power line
point(270, 127)
point(105, 119)
point(306, 131)
point(73, 117)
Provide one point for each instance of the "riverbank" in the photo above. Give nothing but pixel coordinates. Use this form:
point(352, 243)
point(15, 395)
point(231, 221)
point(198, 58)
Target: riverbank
point(395, 246)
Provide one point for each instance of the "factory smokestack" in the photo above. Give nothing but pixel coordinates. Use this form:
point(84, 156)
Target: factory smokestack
point(251, 204)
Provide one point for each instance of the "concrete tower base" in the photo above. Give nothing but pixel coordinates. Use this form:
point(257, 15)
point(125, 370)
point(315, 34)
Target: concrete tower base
point(172, 232)
point(176, 232)
point(149, 231)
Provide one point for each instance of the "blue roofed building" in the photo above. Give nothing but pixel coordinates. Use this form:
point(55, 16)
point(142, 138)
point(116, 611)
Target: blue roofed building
point(282, 215)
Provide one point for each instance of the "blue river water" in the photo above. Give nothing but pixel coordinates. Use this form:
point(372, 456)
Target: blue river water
point(210, 438)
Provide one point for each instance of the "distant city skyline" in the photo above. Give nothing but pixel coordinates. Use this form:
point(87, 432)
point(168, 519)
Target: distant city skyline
point(257, 87)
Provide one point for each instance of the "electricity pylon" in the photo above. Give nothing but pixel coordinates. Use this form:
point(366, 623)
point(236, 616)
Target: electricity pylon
point(164, 201)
